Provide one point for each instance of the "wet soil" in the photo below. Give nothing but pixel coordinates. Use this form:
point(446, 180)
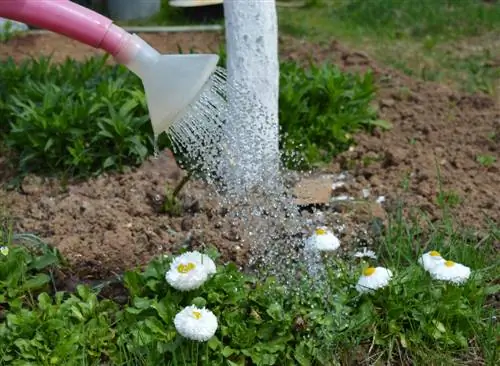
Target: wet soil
point(112, 222)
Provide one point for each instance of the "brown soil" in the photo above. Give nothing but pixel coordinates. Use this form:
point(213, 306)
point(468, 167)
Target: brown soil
point(112, 223)
point(437, 135)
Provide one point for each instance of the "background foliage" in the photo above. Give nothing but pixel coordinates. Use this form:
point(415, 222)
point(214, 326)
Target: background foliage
point(82, 118)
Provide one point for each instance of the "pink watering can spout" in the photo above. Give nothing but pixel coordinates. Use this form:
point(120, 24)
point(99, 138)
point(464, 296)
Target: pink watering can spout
point(172, 83)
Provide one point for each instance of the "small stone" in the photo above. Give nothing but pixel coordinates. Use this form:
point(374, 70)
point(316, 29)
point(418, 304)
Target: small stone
point(337, 185)
point(187, 224)
point(387, 103)
point(342, 198)
point(316, 190)
point(32, 185)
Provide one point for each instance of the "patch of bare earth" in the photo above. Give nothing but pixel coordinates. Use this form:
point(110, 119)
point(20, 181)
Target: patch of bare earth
point(112, 222)
point(437, 136)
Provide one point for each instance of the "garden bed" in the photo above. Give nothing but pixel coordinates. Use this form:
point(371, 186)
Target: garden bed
point(111, 223)
point(441, 155)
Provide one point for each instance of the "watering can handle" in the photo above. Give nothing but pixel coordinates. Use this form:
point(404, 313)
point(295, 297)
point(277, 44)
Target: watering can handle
point(69, 19)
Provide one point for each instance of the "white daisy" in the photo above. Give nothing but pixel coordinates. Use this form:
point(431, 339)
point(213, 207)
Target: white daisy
point(323, 240)
point(365, 253)
point(196, 324)
point(451, 272)
point(189, 271)
point(208, 263)
point(430, 260)
point(373, 278)
point(4, 251)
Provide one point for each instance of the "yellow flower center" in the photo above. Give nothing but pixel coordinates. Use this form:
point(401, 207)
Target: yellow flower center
point(196, 314)
point(449, 263)
point(320, 231)
point(369, 271)
point(185, 268)
point(435, 254)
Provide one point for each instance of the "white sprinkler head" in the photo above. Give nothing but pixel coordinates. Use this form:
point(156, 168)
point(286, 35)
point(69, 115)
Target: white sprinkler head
point(172, 83)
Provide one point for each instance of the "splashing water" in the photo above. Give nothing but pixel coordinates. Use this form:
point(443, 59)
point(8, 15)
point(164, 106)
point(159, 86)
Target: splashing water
point(198, 134)
point(255, 191)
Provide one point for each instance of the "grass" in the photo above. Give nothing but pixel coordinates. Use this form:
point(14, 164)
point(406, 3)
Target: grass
point(415, 320)
point(448, 41)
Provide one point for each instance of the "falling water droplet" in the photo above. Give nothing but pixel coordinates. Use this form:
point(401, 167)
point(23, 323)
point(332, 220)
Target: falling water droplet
point(156, 148)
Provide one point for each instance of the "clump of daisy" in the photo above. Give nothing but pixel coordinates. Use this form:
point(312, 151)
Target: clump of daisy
point(450, 271)
point(365, 253)
point(189, 271)
point(373, 278)
point(323, 240)
point(430, 260)
point(4, 251)
point(196, 324)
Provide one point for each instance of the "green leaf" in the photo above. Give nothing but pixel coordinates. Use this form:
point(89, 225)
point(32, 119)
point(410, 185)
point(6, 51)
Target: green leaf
point(228, 351)
point(214, 343)
point(301, 355)
point(439, 326)
point(381, 123)
point(492, 290)
point(199, 302)
point(36, 282)
point(109, 162)
point(275, 311)
point(45, 261)
point(142, 302)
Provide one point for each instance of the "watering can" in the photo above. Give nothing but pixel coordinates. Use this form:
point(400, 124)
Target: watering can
point(193, 3)
point(172, 83)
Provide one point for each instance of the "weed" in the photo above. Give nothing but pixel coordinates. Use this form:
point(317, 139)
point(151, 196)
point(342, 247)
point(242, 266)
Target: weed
point(448, 198)
point(171, 204)
point(486, 160)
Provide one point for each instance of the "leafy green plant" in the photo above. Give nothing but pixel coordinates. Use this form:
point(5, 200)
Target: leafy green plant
point(63, 330)
point(486, 160)
point(320, 107)
point(24, 269)
point(78, 118)
point(8, 31)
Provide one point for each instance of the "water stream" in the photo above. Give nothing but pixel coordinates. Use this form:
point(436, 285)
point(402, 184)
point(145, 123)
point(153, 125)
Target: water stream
point(231, 138)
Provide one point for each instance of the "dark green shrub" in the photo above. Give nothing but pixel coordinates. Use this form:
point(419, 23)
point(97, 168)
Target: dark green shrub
point(319, 108)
